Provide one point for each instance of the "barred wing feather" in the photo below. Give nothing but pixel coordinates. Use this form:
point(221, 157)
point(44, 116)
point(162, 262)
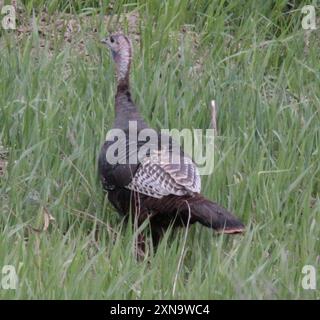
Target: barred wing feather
point(157, 177)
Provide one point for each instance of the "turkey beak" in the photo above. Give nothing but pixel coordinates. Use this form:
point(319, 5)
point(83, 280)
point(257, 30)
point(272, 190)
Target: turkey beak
point(106, 41)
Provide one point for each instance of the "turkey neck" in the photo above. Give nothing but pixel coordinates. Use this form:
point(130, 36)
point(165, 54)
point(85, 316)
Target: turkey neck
point(125, 109)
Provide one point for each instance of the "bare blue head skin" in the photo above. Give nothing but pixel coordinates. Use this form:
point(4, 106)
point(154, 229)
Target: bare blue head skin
point(120, 47)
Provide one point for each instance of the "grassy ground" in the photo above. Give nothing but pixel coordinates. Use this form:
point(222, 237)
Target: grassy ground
point(56, 105)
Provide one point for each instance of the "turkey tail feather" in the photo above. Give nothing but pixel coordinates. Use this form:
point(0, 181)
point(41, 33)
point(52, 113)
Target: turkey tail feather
point(211, 215)
point(194, 208)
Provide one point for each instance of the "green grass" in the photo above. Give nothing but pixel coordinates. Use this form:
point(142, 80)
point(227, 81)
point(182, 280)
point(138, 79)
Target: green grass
point(56, 105)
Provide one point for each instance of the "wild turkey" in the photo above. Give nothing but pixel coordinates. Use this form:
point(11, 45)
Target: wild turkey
point(165, 193)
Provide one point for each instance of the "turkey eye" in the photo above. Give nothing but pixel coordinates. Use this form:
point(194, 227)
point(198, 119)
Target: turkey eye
point(111, 39)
